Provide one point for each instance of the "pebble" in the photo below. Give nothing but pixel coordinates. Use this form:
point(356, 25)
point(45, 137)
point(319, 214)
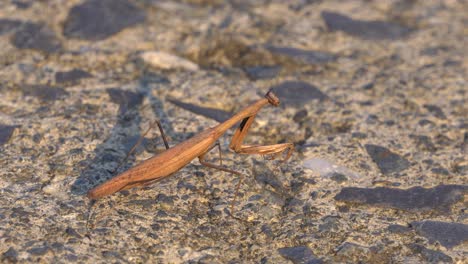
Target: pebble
point(72, 76)
point(99, 19)
point(298, 93)
point(429, 255)
point(39, 251)
point(352, 253)
point(299, 255)
point(304, 56)
point(439, 198)
point(45, 93)
point(387, 161)
point(262, 72)
point(369, 30)
point(22, 4)
point(8, 25)
point(328, 169)
point(398, 229)
point(424, 143)
point(36, 36)
point(6, 132)
point(448, 234)
point(11, 255)
point(436, 111)
point(166, 61)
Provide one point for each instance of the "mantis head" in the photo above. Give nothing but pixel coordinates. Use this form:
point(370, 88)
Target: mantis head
point(272, 98)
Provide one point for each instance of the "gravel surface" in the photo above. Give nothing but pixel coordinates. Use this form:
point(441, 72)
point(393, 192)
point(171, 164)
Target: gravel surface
point(373, 95)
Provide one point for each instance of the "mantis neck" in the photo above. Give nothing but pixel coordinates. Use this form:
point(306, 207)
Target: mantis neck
point(250, 110)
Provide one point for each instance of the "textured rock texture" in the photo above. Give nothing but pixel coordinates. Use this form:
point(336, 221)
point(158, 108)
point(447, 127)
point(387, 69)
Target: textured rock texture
point(374, 97)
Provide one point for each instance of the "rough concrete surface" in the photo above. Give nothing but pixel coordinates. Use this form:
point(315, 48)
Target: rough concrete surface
point(373, 95)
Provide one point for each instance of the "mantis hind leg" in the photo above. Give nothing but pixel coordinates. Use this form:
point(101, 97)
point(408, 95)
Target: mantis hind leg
point(241, 132)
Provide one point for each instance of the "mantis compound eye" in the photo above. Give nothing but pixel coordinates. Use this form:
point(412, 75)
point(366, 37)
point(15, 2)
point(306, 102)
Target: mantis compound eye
point(272, 98)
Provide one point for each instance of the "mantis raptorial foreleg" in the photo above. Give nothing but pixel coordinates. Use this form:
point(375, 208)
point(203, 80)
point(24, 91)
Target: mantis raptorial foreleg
point(236, 145)
point(241, 132)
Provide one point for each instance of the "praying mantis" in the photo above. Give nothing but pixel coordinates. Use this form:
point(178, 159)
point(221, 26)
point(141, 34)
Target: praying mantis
point(173, 159)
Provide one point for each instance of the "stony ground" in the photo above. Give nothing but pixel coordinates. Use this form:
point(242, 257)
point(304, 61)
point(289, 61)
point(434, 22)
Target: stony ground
point(373, 96)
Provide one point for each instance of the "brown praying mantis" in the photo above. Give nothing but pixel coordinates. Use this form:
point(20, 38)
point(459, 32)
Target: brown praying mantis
point(173, 159)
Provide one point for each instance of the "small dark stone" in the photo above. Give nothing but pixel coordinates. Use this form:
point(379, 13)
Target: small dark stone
point(439, 198)
point(398, 229)
point(213, 113)
point(387, 161)
point(366, 103)
point(436, 111)
point(423, 143)
point(22, 4)
point(443, 140)
point(57, 246)
point(185, 185)
point(368, 86)
point(329, 223)
point(10, 255)
point(44, 92)
point(75, 151)
point(8, 25)
point(147, 204)
point(72, 232)
point(446, 233)
point(100, 19)
point(6, 132)
point(262, 72)
point(296, 186)
point(37, 138)
point(338, 177)
point(266, 229)
point(372, 119)
point(349, 252)
point(156, 227)
point(389, 122)
point(432, 51)
point(299, 255)
point(125, 99)
point(304, 56)
point(72, 76)
point(162, 198)
point(300, 116)
point(358, 135)
point(36, 36)
point(454, 63)
point(298, 93)
point(293, 204)
point(39, 251)
point(110, 254)
point(425, 122)
point(429, 255)
point(440, 171)
point(71, 257)
point(369, 30)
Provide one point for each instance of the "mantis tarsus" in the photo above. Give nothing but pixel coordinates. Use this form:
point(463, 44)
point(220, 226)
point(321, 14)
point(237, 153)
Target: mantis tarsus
point(173, 159)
